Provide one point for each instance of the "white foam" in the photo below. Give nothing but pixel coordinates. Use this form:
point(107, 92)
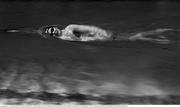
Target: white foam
point(146, 36)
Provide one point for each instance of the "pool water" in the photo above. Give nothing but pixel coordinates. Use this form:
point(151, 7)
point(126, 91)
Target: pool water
point(38, 70)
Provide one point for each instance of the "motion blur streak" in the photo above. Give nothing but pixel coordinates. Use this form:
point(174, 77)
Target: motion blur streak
point(60, 79)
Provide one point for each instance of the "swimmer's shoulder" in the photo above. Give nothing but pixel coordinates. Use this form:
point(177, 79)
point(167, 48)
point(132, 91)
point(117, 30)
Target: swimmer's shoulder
point(74, 26)
point(71, 26)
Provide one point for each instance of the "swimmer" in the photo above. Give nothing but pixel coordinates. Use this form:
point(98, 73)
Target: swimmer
point(76, 32)
point(96, 36)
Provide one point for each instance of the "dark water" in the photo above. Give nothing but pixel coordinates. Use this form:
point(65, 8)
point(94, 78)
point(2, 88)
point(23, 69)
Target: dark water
point(34, 69)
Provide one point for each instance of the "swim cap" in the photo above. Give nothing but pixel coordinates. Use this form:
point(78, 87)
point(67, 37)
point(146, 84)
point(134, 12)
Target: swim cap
point(50, 31)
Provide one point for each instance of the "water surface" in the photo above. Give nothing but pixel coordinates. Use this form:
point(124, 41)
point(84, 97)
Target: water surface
point(32, 66)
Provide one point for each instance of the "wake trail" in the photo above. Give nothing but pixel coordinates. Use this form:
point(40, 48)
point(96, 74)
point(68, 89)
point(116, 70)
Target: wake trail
point(160, 35)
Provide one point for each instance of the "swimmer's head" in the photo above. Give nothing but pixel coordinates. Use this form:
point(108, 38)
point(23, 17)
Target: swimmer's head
point(50, 31)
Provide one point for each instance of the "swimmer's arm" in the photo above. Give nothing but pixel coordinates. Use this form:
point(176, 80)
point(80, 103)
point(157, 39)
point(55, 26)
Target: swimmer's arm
point(87, 29)
point(82, 28)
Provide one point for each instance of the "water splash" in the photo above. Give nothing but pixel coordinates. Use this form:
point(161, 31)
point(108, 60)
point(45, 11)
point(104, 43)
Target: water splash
point(153, 35)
